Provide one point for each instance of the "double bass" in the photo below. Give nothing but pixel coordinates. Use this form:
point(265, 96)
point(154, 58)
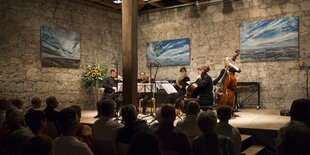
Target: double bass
point(226, 93)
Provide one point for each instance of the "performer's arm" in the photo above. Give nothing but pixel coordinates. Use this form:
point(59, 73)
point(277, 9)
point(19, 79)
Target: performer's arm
point(184, 82)
point(106, 84)
point(235, 67)
point(218, 78)
point(202, 82)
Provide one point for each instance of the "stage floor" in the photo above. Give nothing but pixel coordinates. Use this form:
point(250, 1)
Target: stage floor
point(269, 119)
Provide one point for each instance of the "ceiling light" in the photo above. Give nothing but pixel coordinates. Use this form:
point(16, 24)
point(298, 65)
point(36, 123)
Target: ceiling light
point(117, 1)
point(146, 0)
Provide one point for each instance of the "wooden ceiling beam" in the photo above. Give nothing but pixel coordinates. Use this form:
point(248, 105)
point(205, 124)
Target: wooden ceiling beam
point(94, 0)
point(156, 4)
point(185, 1)
point(112, 5)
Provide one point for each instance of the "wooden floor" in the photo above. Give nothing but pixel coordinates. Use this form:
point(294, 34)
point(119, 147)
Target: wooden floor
point(246, 118)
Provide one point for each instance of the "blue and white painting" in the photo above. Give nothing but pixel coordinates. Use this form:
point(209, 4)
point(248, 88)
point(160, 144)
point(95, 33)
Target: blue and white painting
point(60, 47)
point(168, 52)
point(269, 40)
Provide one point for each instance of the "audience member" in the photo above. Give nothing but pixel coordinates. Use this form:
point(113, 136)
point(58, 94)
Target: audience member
point(5, 105)
point(84, 131)
point(19, 133)
point(224, 128)
point(294, 139)
point(189, 123)
point(132, 126)
point(210, 142)
point(51, 113)
point(36, 121)
point(17, 103)
point(39, 145)
point(144, 142)
point(35, 104)
point(300, 111)
point(171, 139)
point(67, 143)
point(105, 128)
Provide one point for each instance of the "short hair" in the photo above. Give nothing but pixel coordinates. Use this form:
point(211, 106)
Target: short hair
point(183, 69)
point(167, 113)
point(5, 104)
point(77, 110)
point(224, 113)
point(14, 119)
point(113, 70)
point(294, 138)
point(300, 111)
point(143, 73)
point(34, 120)
point(204, 68)
point(38, 145)
point(51, 101)
point(144, 142)
point(36, 101)
point(193, 107)
point(107, 107)
point(129, 113)
point(67, 118)
point(17, 103)
point(206, 122)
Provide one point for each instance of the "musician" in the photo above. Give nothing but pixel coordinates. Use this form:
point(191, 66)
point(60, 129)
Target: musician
point(180, 86)
point(205, 87)
point(231, 68)
point(144, 96)
point(110, 85)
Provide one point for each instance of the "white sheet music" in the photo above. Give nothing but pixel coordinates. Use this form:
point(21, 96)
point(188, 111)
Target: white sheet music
point(141, 87)
point(169, 88)
point(159, 83)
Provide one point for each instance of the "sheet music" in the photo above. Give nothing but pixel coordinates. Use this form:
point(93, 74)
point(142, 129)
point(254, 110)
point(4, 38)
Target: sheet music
point(169, 88)
point(120, 87)
point(159, 83)
point(141, 87)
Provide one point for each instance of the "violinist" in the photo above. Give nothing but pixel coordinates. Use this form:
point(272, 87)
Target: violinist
point(144, 96)
point(180, 86)
point(110, 85)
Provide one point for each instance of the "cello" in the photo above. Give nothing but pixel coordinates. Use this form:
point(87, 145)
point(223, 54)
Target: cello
point(226, 93)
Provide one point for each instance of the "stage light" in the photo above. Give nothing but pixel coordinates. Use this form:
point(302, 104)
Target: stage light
point(117, 1)
point(146, 0)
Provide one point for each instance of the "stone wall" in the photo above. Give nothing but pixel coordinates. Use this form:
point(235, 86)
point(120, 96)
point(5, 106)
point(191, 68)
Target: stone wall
point(21, 72)
point(213, 32)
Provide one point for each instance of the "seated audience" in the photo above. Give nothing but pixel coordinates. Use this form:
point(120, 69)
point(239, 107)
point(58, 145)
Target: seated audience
point(36, 121)
point(224, 128)
point(50, 112)
point(294, 139)
point(19, 134)
point(5, 105)
point(145, 142)
point(189, 123)
point(84, 131)
point(171, 139)
point(132, 126)
point(67, 143)
point(300, 111)
point(210, 142)
point(39, 145)
point(18, 104)
point(35, 104)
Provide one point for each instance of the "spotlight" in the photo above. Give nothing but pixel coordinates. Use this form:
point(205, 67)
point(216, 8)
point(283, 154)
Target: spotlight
point(117, 1)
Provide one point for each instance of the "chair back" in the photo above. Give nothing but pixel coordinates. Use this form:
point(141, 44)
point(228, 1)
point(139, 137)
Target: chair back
point(100, 147)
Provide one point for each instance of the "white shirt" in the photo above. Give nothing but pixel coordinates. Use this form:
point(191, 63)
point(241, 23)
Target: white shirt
point(105, 129)
point(69, 145)
point(233, 133)
point(189, 126)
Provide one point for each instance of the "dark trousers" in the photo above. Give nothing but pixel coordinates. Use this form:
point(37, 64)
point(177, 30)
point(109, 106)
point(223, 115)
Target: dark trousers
point(175, 99)
point(145, 97)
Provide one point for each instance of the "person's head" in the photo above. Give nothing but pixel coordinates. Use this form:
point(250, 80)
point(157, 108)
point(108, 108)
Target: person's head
point(224, 113)
point(39, 145)
point(36, 121)
point(14, 119)
point(77, 110)
point(142, 75)
point(114, 72)
point(300, 111)
point(107, 107)
point(226, 61)
point(5, 104)
point(51, 102)
point(36, 103)
point(129, 113)
point(294, 138)
point(192, 108)
point(203, 69)
point(144, 142)
point(68, 121)
point(183, 71)
point(167, 114)
point(17, 103)
point(206, 122)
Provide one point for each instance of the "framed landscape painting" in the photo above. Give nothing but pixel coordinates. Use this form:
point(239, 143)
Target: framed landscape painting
point(168, 52)
point(269, 40)
point(60, 47)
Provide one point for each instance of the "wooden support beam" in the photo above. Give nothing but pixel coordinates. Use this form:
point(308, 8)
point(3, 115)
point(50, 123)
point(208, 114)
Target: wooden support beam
point(94, 0)
point(110, 4)
point(130, 54)
point(156, 4)
point(185, 1)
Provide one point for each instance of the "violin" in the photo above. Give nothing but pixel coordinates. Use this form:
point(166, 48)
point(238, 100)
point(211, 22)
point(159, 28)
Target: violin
point(178, 82)
point(145, 80)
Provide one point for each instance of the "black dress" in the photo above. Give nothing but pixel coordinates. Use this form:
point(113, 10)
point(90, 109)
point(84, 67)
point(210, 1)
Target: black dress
point(178, 97)
point(144, 96)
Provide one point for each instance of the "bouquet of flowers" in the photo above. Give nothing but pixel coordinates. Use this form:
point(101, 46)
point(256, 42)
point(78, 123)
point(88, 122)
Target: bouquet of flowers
point(94, 75)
